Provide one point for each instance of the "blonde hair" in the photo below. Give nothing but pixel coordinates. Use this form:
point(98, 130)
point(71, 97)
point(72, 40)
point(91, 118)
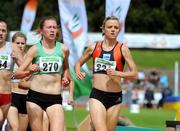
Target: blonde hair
point(106, 19)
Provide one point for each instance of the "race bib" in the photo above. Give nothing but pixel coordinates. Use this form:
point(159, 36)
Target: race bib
point(50, 64)
point(5, 61)
point(102, 65)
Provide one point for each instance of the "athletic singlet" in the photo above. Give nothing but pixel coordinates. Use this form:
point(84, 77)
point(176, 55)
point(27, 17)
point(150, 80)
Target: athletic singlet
point(14, 69)
point(6, 61)
point(49, 63)
point(103, 60)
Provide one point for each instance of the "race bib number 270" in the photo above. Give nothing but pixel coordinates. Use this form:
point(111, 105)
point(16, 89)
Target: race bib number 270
point(50, 64)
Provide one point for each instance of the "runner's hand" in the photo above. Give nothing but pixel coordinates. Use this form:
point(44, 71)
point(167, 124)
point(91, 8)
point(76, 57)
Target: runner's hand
point(65, 82)
point(81, 75)
point(34, 68)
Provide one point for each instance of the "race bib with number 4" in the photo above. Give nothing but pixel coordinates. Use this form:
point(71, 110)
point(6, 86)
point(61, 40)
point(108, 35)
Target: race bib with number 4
point(102, 65)
point(50, 64)
point(5, 61)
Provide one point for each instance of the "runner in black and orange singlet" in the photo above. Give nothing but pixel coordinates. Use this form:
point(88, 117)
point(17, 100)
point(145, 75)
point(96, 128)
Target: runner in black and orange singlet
point(109, 57)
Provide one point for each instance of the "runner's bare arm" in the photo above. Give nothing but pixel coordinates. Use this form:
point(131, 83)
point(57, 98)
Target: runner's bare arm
point(23, 70)
point(132, 73)
point(84, 58)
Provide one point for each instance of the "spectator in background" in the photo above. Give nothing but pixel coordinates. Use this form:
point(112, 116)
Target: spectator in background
point(141, 75)
point(166, 91)
point(135, 95)
point(164, 81)
point(149, 97)
point(154, 78)
point(140, 79)
point(127, 86)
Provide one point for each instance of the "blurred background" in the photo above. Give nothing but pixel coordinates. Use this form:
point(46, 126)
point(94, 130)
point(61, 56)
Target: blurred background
point(144, 16)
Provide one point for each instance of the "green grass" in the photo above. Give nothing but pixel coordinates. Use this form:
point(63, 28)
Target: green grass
point(156, 59)
point(148, 118)
point(71, 117)
point(159, 59)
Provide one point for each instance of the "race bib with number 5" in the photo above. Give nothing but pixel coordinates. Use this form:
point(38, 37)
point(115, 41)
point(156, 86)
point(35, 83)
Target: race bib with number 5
point(50, 64)
point(102, 65)
point(5, 61)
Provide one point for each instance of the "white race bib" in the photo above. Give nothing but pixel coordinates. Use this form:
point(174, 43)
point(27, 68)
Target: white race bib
point(50, 64)
point(102, 65)
point(5, 61)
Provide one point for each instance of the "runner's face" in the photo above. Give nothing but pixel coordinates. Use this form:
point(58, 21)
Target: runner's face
point(50, 29)
point(3, 32)
point(111, 29)
point(21, 43)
